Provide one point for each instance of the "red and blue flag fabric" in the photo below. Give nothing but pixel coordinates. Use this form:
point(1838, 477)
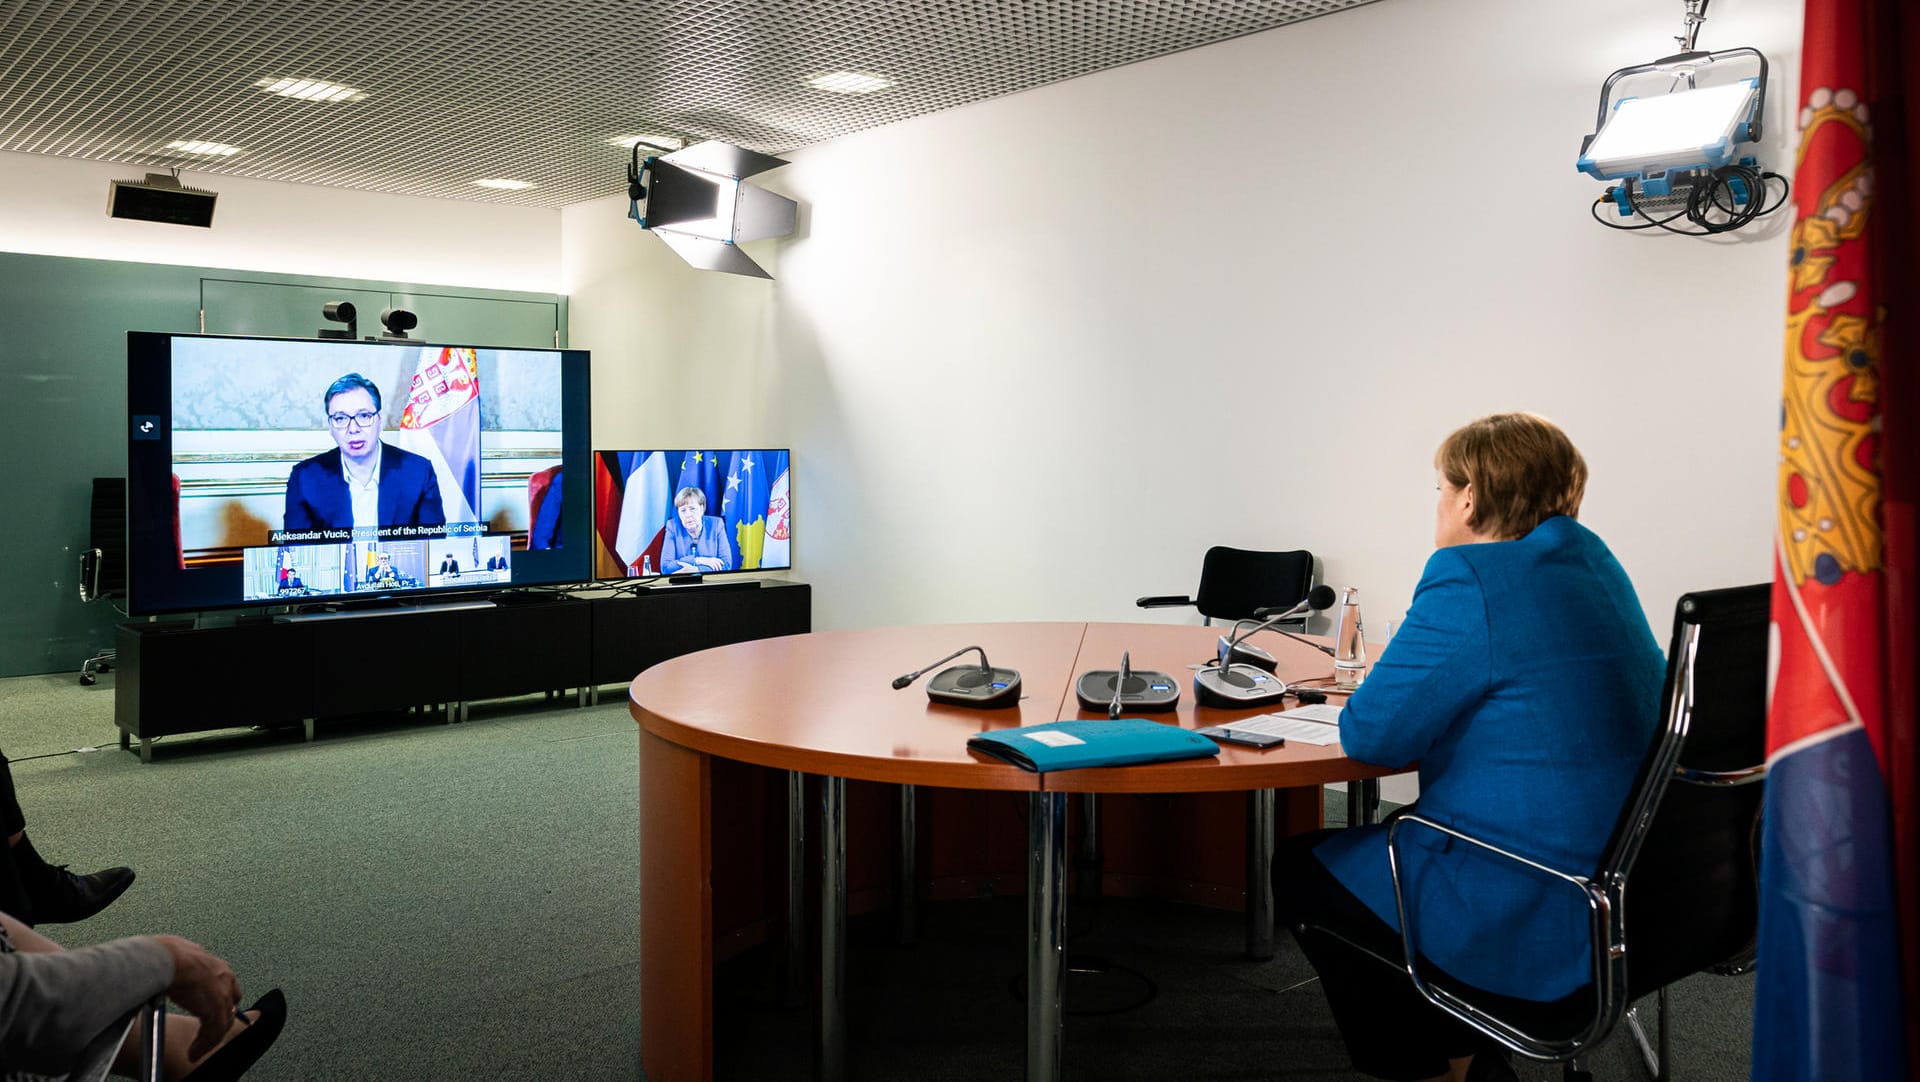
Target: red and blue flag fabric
point(1837, 908)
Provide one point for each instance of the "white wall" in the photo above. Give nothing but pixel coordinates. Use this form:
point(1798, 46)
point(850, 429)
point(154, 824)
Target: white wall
point(58, 206)
point(1034, 356)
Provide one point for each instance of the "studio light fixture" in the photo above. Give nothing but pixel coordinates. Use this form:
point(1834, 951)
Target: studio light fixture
point(202, 148)
point(310, 90)
point(1679, 134)
point(695, 200)
point(503, 184)
point(850, 82)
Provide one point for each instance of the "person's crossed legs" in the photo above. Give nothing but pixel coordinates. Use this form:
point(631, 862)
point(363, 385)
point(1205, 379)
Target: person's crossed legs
point(36, 892)
point(213, 1042)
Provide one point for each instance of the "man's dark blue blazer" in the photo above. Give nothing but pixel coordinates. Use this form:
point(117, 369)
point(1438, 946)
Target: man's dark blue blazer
point(1526, 683)
point(318, 499)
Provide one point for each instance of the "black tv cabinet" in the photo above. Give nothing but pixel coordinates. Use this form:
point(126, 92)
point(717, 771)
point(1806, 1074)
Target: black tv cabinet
point(174, 677)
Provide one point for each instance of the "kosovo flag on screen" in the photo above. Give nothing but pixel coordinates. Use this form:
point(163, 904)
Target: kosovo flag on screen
point(749, 487)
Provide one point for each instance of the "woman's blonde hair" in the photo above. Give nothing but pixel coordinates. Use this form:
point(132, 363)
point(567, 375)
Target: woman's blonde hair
point(687, 495)
point(1523, 470)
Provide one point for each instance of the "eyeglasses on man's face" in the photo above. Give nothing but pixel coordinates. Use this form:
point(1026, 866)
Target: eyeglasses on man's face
point(363, 419)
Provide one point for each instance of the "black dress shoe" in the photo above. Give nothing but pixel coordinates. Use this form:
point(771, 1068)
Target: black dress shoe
point(231, 1060)
point(60, 897)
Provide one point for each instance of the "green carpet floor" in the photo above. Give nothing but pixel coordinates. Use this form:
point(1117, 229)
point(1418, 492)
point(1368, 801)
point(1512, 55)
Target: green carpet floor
point(461, 902)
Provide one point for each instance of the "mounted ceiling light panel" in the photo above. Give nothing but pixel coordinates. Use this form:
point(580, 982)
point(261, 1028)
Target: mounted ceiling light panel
point(850, 82)
point(203, 149)
point(310, 90)
point(695, 201)
point(664, 144)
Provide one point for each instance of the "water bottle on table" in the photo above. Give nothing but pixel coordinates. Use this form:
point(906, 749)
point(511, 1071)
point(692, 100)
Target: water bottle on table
point(1349, 643)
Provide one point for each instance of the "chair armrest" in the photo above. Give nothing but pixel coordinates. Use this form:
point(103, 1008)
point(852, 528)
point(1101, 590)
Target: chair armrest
point(1720, 778)
point(1609, 952)
point(90, 574)
point(1166, 602)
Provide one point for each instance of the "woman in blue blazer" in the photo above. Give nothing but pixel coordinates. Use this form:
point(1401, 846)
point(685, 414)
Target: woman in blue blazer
point(1526, 683)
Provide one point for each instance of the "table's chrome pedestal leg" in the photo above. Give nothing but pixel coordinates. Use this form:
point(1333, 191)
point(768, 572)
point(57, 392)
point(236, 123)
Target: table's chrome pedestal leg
point(795, 992)
point(1087, 870)
point(903, 888)
point(831, 1056)
point(1260, 838)
point(1046, 920)
point(1363, 802)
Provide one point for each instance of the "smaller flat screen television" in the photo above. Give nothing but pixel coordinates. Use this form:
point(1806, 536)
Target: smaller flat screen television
point(692, 512)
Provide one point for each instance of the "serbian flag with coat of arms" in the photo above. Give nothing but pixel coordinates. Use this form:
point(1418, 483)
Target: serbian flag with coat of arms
point(442, 424)
point(1838, 906)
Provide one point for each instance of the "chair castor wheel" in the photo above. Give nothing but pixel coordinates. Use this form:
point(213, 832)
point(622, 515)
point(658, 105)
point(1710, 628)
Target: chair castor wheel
point(88, 680)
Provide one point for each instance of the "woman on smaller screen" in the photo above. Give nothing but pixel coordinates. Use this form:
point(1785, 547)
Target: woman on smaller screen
point(696, 542)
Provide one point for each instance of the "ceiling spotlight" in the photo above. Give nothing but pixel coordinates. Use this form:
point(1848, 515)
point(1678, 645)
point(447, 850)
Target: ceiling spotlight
point(310, 90)
point(695, 201)
point(505, 185)
point(662, 143)
point(202, 148)
point(850, 82)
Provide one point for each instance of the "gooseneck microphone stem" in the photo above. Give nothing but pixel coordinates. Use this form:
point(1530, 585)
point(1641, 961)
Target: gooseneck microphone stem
point(1120, 683)
point(902, 681)
point(1321, 598)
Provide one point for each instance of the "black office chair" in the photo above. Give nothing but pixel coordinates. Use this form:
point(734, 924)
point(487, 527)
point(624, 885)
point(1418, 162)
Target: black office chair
point(1687, 839)
point(103, 566)
point(1235, 582)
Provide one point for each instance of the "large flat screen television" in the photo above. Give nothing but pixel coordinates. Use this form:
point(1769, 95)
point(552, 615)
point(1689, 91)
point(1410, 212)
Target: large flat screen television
point(278, 471)
point(691, 512)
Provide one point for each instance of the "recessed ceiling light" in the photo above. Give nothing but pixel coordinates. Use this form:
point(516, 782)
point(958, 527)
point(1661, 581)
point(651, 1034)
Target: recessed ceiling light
point(203, 148)
point(661, 142)
point(310, 90)
point(505, 185)
point(850, 82)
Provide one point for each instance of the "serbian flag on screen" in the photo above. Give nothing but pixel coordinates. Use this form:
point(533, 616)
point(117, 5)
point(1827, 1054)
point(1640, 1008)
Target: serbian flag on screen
point(631, 504)
point(442, 423)
point(1828, 1001)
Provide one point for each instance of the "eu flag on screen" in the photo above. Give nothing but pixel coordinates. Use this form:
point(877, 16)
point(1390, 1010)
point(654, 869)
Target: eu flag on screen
point(702, 470)
point(1828, 999)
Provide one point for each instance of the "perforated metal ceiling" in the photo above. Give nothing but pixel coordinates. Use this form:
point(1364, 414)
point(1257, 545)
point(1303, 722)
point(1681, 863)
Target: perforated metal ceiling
point(460, 91)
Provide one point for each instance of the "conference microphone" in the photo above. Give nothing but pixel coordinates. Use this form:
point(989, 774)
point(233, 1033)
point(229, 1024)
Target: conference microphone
point(1122, 689)
point(1235, 648)
point(1234, 684)
point(981, 686)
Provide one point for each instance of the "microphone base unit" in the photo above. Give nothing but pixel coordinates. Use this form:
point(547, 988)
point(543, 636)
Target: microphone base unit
point(970, 685)
point(1146, 691)
point(1237, 687)
point(1245, 653)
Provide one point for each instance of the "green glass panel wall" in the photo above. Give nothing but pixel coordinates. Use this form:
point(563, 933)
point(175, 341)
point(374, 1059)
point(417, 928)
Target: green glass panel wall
point(63, 377)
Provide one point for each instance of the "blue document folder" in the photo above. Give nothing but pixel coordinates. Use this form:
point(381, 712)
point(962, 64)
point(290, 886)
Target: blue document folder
point(1066, 745)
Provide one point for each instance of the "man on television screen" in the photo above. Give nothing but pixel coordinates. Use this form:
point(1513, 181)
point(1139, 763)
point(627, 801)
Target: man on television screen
point(363, 482)
point(383, 571)
point(496, 563)
point(449, 565)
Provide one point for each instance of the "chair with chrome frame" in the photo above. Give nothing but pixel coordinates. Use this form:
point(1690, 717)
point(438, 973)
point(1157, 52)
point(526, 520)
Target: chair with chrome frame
point(1687, 839)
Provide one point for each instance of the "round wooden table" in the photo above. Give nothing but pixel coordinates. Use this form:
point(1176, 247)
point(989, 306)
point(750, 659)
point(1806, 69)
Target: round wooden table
point(823, 704)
